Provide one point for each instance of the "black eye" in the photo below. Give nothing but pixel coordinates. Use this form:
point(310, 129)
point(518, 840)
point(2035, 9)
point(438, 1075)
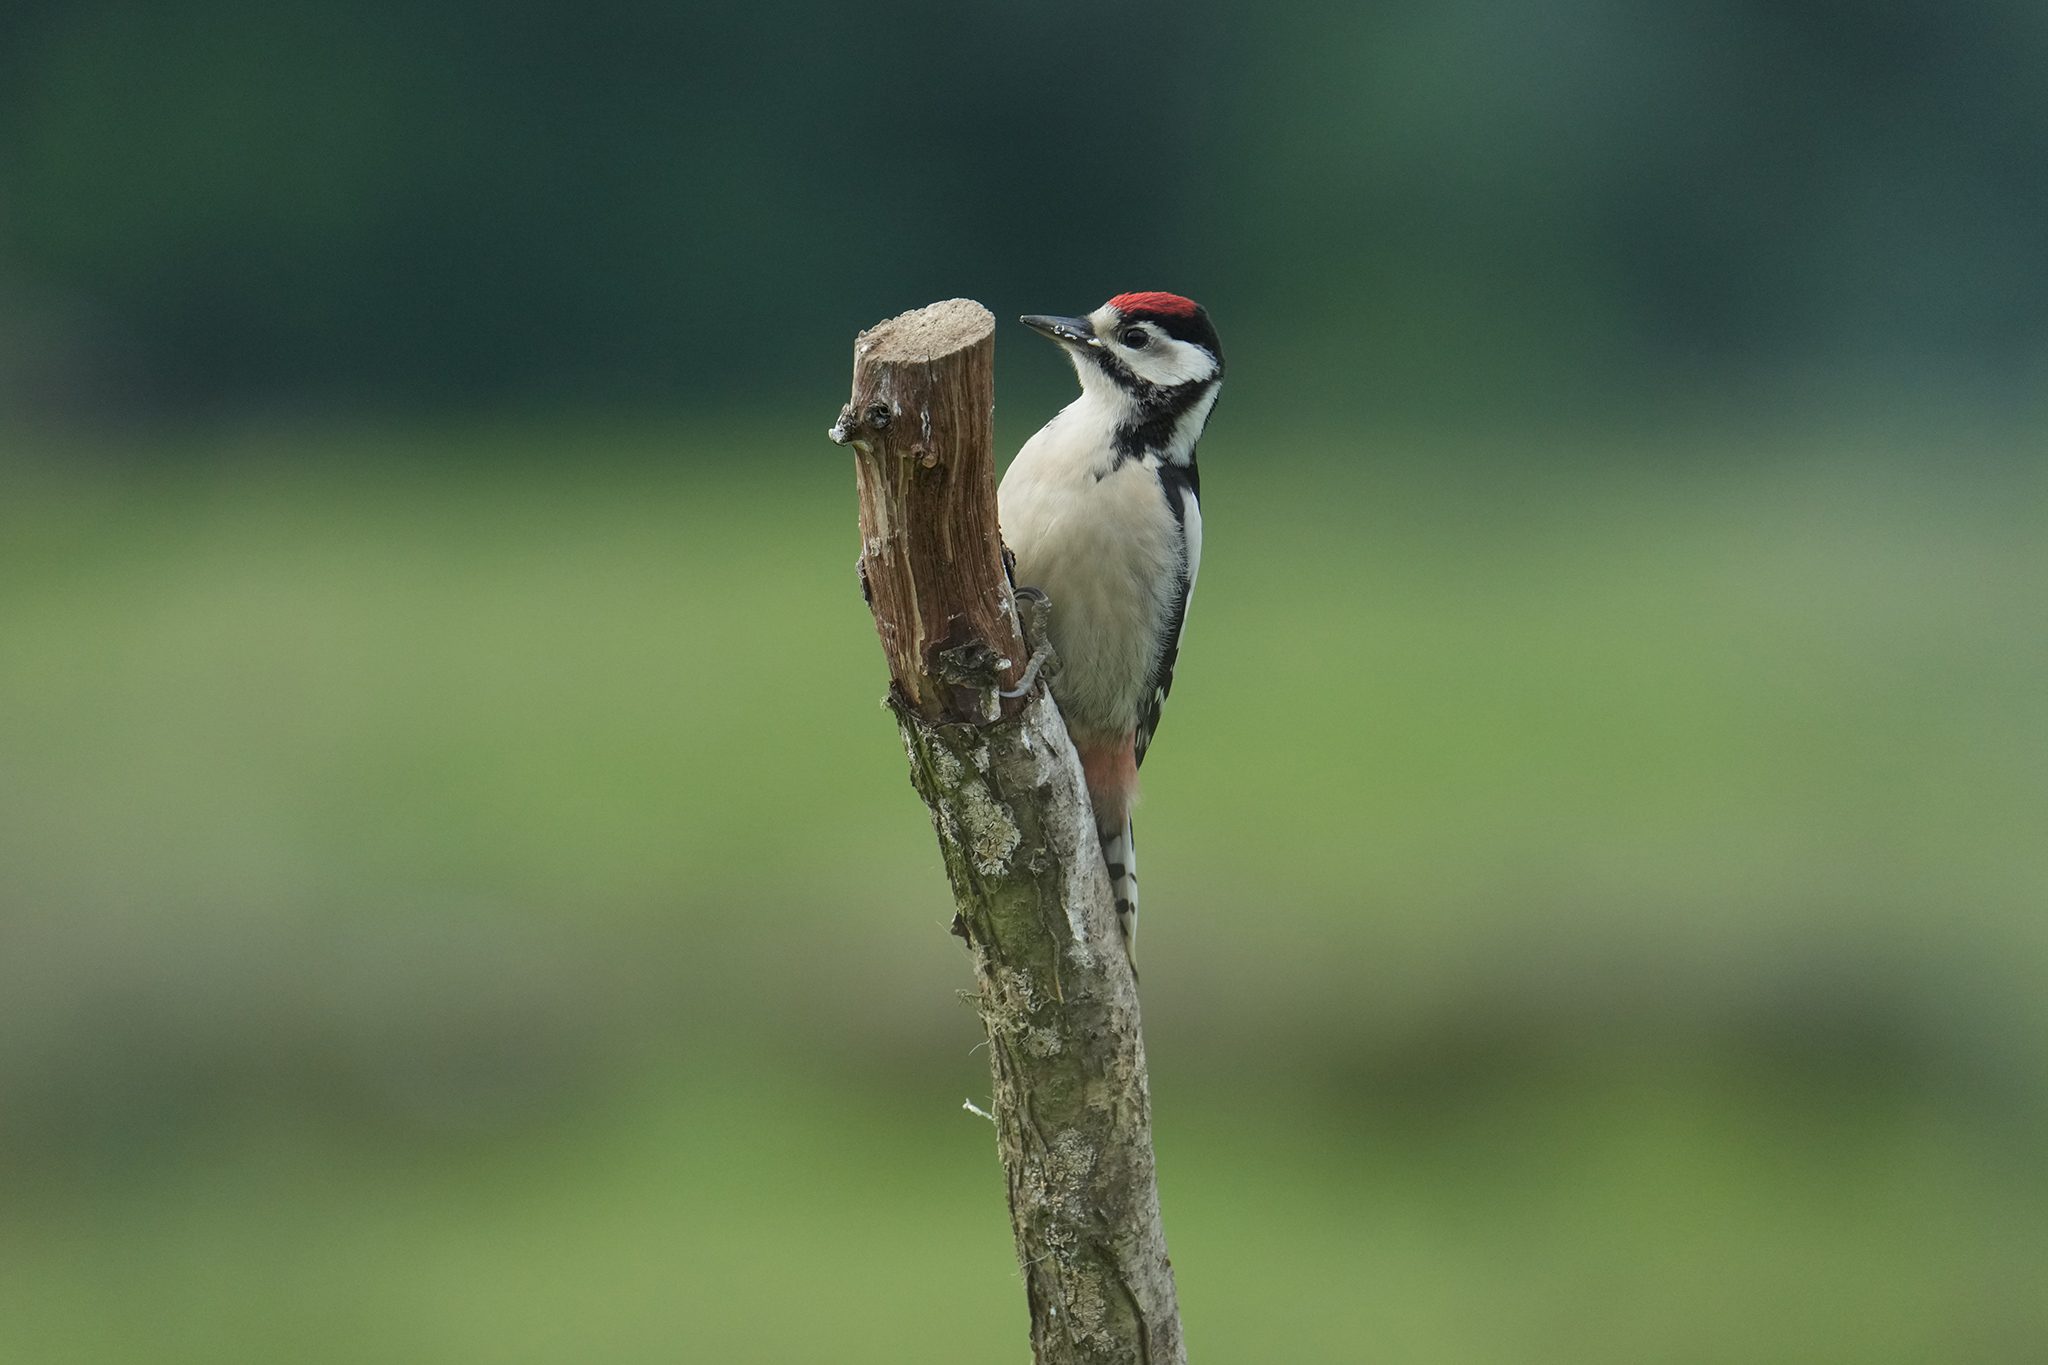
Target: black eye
point(1135, 338)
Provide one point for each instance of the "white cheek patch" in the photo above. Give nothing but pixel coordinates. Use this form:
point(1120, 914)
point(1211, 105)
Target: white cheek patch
point(1162, 360)
point(1168, 363)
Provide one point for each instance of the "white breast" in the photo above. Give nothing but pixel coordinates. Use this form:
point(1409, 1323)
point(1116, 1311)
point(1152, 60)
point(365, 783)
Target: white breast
point(1102, 543)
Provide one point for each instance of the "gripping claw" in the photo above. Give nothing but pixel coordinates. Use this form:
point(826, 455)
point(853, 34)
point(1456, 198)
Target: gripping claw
point(1034, 610)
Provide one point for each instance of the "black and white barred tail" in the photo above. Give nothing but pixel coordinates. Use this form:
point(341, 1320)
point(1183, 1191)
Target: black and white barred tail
point(1120, 852)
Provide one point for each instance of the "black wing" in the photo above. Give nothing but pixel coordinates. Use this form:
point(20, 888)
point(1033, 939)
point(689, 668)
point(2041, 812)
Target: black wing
point(1183, 487)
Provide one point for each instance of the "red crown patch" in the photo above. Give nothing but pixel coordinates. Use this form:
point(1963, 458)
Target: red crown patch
point(1167, 305)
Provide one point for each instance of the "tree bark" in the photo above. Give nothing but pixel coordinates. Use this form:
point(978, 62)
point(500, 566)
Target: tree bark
point(1056, 991)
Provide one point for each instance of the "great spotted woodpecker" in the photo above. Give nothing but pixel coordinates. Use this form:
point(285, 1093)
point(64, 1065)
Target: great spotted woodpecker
point(1100, 509)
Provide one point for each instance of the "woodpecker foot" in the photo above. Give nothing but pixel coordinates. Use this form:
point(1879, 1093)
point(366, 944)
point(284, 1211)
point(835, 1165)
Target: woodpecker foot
point(1034, 609)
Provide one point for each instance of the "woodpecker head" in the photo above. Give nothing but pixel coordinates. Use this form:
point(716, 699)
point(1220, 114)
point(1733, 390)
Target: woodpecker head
point(1152, 359)
point(1139, 341)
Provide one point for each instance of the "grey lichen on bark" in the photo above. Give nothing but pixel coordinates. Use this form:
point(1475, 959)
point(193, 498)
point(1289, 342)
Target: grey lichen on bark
point(1054, 985)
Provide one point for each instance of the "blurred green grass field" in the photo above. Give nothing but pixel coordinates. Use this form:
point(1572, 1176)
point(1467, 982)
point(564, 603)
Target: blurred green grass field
point(462, 902)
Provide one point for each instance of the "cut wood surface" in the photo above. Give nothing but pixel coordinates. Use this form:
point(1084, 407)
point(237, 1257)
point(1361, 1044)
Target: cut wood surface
point(922, 426)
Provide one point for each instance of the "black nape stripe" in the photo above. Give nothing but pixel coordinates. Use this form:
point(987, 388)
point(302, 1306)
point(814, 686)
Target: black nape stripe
point(1181, 483)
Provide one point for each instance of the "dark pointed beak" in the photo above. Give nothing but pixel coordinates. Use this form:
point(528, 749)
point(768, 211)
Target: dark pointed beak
point(1067, 331)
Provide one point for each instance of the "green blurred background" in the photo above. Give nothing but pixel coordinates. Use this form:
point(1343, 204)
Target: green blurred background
point(461, 901)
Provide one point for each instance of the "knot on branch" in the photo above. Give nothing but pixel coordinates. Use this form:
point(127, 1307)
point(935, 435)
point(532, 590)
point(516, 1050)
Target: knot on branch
point(859, 420)
point(971, 673)
point(968, 664)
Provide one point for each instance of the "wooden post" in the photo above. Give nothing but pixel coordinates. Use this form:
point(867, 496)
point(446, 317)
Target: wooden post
point(1056, 991)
